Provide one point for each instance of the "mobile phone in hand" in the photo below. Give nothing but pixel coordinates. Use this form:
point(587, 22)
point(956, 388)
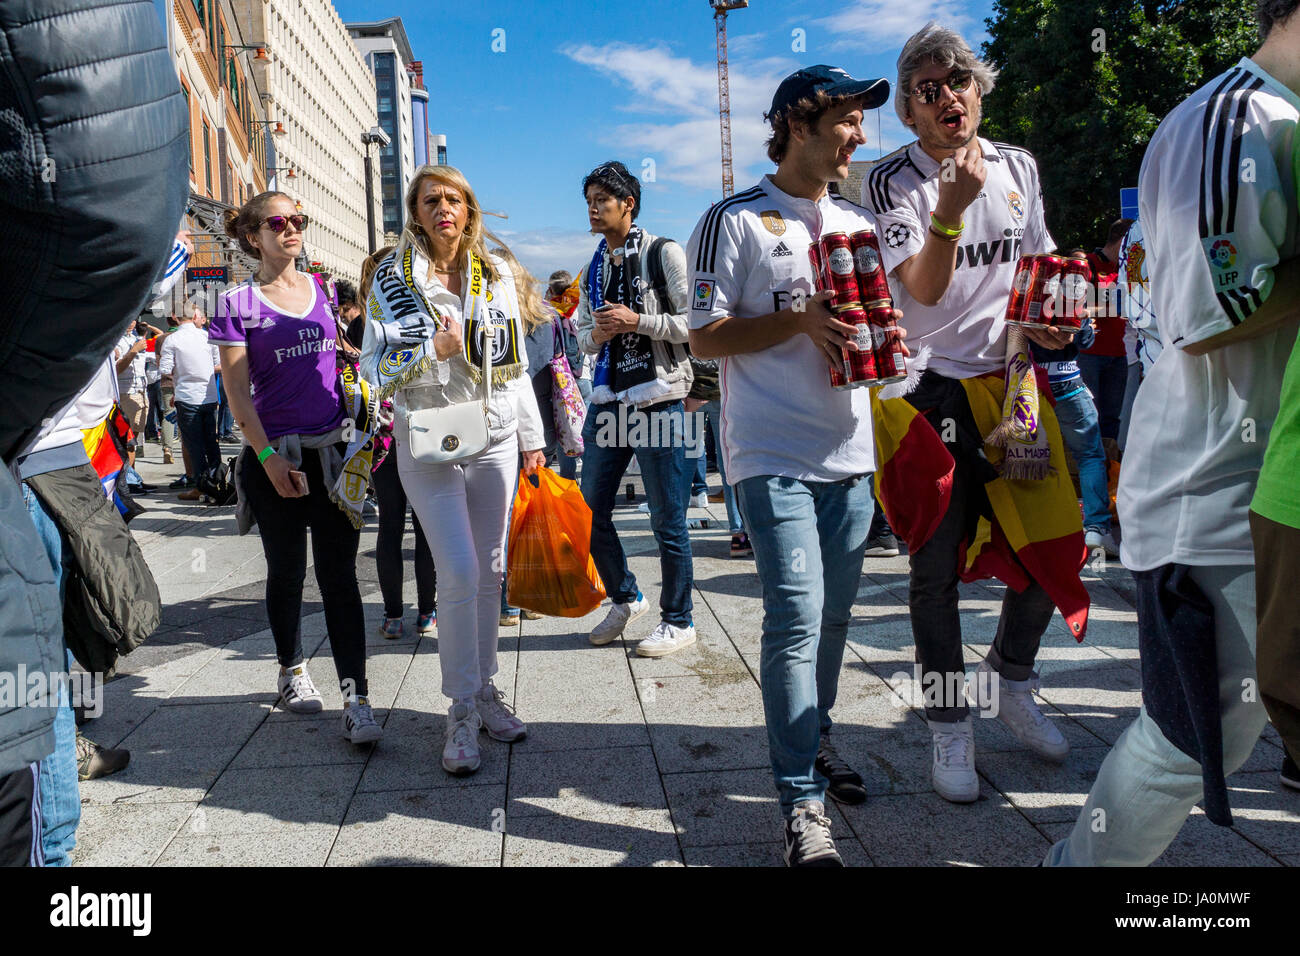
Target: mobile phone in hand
point(299, 480)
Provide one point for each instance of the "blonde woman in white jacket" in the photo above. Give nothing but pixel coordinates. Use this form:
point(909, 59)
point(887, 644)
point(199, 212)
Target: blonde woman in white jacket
point(462, 505)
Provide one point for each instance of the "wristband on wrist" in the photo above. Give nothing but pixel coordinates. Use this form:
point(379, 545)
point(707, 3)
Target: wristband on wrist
point(943, 230)
point(264, 454)
point(943, 237)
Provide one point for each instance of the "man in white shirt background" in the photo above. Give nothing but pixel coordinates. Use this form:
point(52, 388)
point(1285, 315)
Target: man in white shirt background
point(132, 387)
point(1220, 254)
point(191, 364)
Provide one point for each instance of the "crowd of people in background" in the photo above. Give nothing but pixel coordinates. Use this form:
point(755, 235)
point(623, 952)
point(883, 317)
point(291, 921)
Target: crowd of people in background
point(451, 373)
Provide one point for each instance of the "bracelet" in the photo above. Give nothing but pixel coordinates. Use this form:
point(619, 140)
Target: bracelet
point(942, 237)
point(264, 454)
point(945, 230)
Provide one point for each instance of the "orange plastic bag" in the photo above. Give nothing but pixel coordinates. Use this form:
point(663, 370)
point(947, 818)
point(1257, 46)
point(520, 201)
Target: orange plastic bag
point(548, 564)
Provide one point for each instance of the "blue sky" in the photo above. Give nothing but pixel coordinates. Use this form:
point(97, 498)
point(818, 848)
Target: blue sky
point(579, 83)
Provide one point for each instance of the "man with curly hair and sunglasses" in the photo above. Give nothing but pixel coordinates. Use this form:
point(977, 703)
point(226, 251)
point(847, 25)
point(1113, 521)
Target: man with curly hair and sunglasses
point(955, 213)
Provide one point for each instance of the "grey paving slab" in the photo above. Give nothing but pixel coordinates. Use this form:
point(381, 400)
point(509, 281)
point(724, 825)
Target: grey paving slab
point(306, 848)
point(410, 755)
point(278, 800)
point(627, 838)
point(584, 784)
point(1103, 699)
point(1199, 843)
point(926, 830)
point(1044, 792)
point(724, 807)
point(443, 826)
point(127, 834)
point(1265, 812)
point(697, 723)
point(772, 854)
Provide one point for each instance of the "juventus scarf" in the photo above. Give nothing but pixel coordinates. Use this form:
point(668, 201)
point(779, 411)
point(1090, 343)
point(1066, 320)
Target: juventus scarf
point(625, 367)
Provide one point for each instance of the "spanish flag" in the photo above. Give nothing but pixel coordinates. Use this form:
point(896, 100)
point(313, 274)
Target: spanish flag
point(106, 448)
point(1036, 524)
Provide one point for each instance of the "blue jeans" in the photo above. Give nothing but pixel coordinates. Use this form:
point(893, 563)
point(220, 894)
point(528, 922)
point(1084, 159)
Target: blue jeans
point(225, 417)
point(666, 472)
point(714, 411)
point(1082, 434)
point(1106, 377)
point(60, 798)
point(808, 540)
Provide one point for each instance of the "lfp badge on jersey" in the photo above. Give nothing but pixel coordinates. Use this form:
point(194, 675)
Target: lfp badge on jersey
point(703, 300)
point(1016, 204)
point(773, 222)
point(1222, 257)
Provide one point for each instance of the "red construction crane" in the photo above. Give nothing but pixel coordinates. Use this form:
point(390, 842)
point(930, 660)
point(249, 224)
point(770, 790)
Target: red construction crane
point(720, 9)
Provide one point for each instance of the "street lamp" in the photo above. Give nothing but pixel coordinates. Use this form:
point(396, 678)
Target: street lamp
point(288, 171)
point(277, 127)
point(376, 135)
point(261, 55)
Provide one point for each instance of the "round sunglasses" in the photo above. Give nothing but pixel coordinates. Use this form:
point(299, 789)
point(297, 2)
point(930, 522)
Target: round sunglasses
point(928, 92)
point(278, 224)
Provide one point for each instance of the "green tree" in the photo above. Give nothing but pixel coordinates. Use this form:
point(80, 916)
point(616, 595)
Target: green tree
point(1085, 83)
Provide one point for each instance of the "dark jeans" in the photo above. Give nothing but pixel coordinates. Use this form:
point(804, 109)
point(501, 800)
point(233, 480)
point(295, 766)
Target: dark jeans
point(225, 417)
point(879, 523)
point(388, 546)
point(932, 601)
point(153, 418)
point(283, 523)
point(198, 428)
point(1106, 377)
point(666, 472)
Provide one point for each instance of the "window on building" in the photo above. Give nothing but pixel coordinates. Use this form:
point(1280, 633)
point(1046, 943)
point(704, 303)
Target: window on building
point(207, 158)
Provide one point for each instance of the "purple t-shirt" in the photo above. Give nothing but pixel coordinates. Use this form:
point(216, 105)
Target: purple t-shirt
point(291, 360)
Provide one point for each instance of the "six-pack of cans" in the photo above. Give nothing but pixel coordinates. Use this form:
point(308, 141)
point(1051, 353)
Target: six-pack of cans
point(1049, 290)
point(851, 267)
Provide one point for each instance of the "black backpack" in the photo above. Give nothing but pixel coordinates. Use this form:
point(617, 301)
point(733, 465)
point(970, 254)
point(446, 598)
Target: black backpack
point(218, 485)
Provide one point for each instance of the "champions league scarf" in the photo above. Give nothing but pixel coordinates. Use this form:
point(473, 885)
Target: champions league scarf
point(404, 323)
point(625, 367)
point(1020, 433)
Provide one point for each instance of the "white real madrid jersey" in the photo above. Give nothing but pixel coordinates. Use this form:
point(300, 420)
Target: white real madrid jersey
point(748, 257)
point(966, 331)
point(1217, 203)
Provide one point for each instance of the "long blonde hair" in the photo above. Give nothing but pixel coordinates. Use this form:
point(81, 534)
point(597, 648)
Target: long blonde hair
point(476, 234)
point(532, 308)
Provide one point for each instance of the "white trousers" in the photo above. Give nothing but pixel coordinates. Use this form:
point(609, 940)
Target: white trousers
point(462, 508)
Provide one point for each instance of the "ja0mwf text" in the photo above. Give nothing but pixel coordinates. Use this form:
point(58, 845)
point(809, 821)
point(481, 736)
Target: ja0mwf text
point(1158, 900)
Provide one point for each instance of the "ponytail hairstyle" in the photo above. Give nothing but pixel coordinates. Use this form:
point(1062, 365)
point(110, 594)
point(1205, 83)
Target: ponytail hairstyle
point(476, 235)
point(532, 308)
point(247, 219)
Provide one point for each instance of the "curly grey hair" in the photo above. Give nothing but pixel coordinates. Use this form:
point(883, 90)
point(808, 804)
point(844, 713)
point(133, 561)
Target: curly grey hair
point(936, 44)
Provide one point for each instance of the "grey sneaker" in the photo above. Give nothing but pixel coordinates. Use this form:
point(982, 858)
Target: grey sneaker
point(359, 724)
point(808, 837)
point(298, 693)
point(460, 754)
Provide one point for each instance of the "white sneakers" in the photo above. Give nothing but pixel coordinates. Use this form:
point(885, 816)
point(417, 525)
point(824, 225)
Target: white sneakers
point(1018, 710)
point(1094, 539)
point(297, 692)
point(460, 754)
point(699, 501)
point(665, 639)
point(359, 724)
point(499, 717)
point(618, 618)
point(953, 770)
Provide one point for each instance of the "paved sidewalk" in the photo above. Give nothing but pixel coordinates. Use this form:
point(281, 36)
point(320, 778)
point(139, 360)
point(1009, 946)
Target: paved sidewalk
point(628, 761)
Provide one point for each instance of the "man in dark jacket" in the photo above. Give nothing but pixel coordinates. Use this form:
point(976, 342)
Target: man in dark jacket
point(94, 141)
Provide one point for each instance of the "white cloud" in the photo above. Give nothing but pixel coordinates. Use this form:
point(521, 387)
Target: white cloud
point(543, 251)
point(686, 145)
point(863, 24)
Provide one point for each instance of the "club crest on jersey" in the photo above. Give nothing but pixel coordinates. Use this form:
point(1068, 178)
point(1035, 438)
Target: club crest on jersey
point(1016, 204)
point(773, 222)
point(896, 235)
point(703, 298)
point(1222, 257)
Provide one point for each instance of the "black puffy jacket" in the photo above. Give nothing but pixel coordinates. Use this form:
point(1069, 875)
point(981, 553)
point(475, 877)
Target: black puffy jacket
point(94, 173)
point(93, 181)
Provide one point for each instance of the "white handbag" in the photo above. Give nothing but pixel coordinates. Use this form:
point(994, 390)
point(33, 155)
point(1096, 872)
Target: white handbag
point(449, 433)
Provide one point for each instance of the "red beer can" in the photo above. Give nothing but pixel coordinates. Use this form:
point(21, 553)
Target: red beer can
point(841, 277)
point(1045, 294)
point(860, 364)
point(870, 267)
point(1018, 301)
point(818, 267)
point(1074, 293)
point(886, 343)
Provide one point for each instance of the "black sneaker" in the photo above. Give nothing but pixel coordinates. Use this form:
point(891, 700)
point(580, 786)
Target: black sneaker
point(808, 837)
point(885, 546)
point(845, 784)
point(1290, 775)
point(181, 483)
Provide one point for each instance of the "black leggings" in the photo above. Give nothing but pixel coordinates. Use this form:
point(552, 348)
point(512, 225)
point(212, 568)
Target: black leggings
point(283, 523)
point(388, 547)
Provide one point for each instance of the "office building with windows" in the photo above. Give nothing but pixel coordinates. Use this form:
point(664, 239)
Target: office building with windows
point(387, 52)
